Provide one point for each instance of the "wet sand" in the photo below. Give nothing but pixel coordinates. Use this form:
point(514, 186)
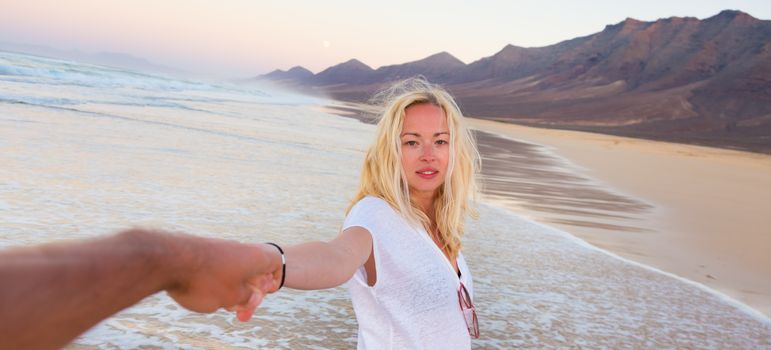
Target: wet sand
point(700, 213)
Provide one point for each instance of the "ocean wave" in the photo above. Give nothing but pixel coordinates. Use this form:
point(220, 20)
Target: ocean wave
point(123, 87)
point(39, 101)
point(60, 72)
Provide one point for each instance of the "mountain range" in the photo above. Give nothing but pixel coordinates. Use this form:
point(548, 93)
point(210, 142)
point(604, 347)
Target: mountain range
point(678, 79)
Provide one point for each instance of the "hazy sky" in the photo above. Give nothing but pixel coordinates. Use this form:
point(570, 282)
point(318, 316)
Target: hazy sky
point(249, 37)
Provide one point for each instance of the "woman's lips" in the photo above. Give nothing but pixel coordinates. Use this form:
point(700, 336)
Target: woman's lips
point(427, 173)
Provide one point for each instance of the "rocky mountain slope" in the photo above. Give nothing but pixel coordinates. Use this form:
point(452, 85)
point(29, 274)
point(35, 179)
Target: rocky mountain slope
point(679, 79)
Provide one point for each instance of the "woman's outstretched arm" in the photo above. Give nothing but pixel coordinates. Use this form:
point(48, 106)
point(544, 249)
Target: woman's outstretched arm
point(320, 265)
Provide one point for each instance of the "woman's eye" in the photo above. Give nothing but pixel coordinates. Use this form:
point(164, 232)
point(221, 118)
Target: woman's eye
point(411, 143)
point(441, 142)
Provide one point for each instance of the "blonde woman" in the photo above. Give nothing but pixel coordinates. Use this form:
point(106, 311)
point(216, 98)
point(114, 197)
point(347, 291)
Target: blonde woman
point(400, 245)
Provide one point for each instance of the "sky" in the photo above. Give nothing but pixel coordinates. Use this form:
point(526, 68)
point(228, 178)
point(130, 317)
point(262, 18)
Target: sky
point(242, 38)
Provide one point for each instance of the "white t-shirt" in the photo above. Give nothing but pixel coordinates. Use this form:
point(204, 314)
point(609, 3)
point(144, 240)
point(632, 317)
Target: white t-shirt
point(414, 303)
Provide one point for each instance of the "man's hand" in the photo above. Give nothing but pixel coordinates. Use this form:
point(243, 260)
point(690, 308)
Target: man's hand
point(51, 293)
point(226, 274)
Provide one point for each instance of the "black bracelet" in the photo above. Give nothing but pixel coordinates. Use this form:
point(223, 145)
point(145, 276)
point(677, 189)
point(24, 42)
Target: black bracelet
point(283, 264)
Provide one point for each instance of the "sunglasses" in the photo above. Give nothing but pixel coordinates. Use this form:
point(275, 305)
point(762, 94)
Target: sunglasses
point(469, 311)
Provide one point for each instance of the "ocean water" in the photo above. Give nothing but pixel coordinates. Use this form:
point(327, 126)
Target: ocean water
point(86, 150)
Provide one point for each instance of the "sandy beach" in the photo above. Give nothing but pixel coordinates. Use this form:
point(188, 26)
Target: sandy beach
point(112, 150)
point(700, 213)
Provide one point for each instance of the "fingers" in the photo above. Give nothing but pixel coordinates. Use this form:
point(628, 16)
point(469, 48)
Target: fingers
point(259, 286)
point(244, 313)
point(267, 283)
point(270, 282)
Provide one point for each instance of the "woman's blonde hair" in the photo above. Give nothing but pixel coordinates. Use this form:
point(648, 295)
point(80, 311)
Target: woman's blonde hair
point(382, 175)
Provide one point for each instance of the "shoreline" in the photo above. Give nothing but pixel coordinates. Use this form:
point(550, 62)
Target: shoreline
point(662, 205)
point(694, 202)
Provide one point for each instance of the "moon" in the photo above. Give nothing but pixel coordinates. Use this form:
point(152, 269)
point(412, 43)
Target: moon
point(325, 43)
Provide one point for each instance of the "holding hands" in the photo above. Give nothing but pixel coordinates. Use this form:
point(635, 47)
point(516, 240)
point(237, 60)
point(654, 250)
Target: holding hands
point(227, 274)
point(52, 293)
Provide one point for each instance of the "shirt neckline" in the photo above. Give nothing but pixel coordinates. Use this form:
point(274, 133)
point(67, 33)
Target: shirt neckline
point(422, 232)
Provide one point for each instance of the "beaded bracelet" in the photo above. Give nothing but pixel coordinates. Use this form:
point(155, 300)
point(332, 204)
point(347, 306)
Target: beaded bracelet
point(283, 264)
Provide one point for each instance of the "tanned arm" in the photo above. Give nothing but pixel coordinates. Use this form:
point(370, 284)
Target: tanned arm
point(52, 293)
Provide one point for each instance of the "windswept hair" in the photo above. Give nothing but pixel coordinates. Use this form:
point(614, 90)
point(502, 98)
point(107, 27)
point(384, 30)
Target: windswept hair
point(382, 175)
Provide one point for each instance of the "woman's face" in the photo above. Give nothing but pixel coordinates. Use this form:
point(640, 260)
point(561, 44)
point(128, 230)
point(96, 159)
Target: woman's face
point(425, 142)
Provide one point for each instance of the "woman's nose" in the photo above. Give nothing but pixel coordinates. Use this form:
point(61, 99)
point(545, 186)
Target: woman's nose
point(427, 153)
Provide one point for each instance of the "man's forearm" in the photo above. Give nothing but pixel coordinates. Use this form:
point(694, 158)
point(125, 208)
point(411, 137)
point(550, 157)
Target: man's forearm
point(80, 283)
